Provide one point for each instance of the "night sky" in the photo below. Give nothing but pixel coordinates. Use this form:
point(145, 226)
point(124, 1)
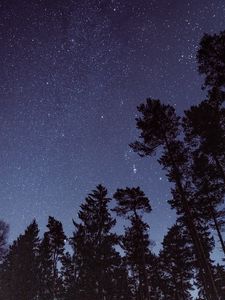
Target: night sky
point(72, 75)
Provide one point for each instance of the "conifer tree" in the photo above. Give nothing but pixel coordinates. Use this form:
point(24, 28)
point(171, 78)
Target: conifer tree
point(205, 136)
point(160, 127)
point(132, 203)
point(135, 245)
point(220, 280)
point(45, 270)
point(68, 276)
point(204, 129)
point(19, 278)
point(51, 254)
point(211, 59)
point(121, 285)
point(96, 259)
point(177, 262)
point(209, 195)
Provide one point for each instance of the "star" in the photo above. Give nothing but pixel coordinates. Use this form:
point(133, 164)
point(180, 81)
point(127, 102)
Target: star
point(134, 169)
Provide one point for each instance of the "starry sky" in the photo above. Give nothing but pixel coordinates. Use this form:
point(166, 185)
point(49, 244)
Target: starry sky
point(72, 75)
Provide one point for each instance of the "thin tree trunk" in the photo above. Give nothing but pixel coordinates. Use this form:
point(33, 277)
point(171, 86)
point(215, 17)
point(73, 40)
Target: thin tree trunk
point(219, 167)
point(145, 281)
point(182, 288)
point(142, 271)
point(218, 230)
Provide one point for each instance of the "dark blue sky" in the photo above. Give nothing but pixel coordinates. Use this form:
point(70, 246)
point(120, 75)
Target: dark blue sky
point(72, 74)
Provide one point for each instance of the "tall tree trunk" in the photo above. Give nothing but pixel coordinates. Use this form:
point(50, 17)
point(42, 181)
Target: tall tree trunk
point(209, 284)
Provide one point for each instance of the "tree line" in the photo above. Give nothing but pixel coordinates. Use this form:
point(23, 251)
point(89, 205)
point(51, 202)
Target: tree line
point(105, 265)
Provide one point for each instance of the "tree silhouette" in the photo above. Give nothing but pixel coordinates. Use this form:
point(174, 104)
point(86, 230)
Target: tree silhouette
point(209, 194)
point(204, 129)
point(160, 126)
point(131, 203)
point(96, 259)
point(19, 274)
point(220, 280)
point(51, 254)
point(68, 276)
point(177, 261)
point(211, 59)
point(45, 270)
point(205, 135)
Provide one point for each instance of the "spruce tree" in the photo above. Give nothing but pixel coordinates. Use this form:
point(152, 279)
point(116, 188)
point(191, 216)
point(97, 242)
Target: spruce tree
point(45, 270)
point(20, 267)
point(177, 263)
point(51, 255)
point(94, 244)
point(132, 203)
point(67, 274)
point(121, 285)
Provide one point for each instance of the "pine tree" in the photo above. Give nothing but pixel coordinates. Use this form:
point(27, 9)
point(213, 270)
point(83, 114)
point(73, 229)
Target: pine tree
point(209, 195)
point(220, 280)
point(204, 129)
point(135, 246)
point(20, 268)
point(131, 203)
point(45, 270)
point(155, 277)
point(51, 254)
point(219, 272)
point(160, 126)
point(205, 135)
point(96, 259)
point(211, 59)
point(68, 276)
point(177, 261)
point(121, 285)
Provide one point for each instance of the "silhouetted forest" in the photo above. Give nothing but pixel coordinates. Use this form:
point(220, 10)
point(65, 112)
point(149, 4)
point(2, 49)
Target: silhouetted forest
point(104, 265)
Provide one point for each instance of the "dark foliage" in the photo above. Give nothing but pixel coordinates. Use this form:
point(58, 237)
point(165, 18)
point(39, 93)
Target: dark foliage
point(160, 128)
point(211, 59)
point(177, 264)
point(51, 254)
point(96, 259)
point(19, 272)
